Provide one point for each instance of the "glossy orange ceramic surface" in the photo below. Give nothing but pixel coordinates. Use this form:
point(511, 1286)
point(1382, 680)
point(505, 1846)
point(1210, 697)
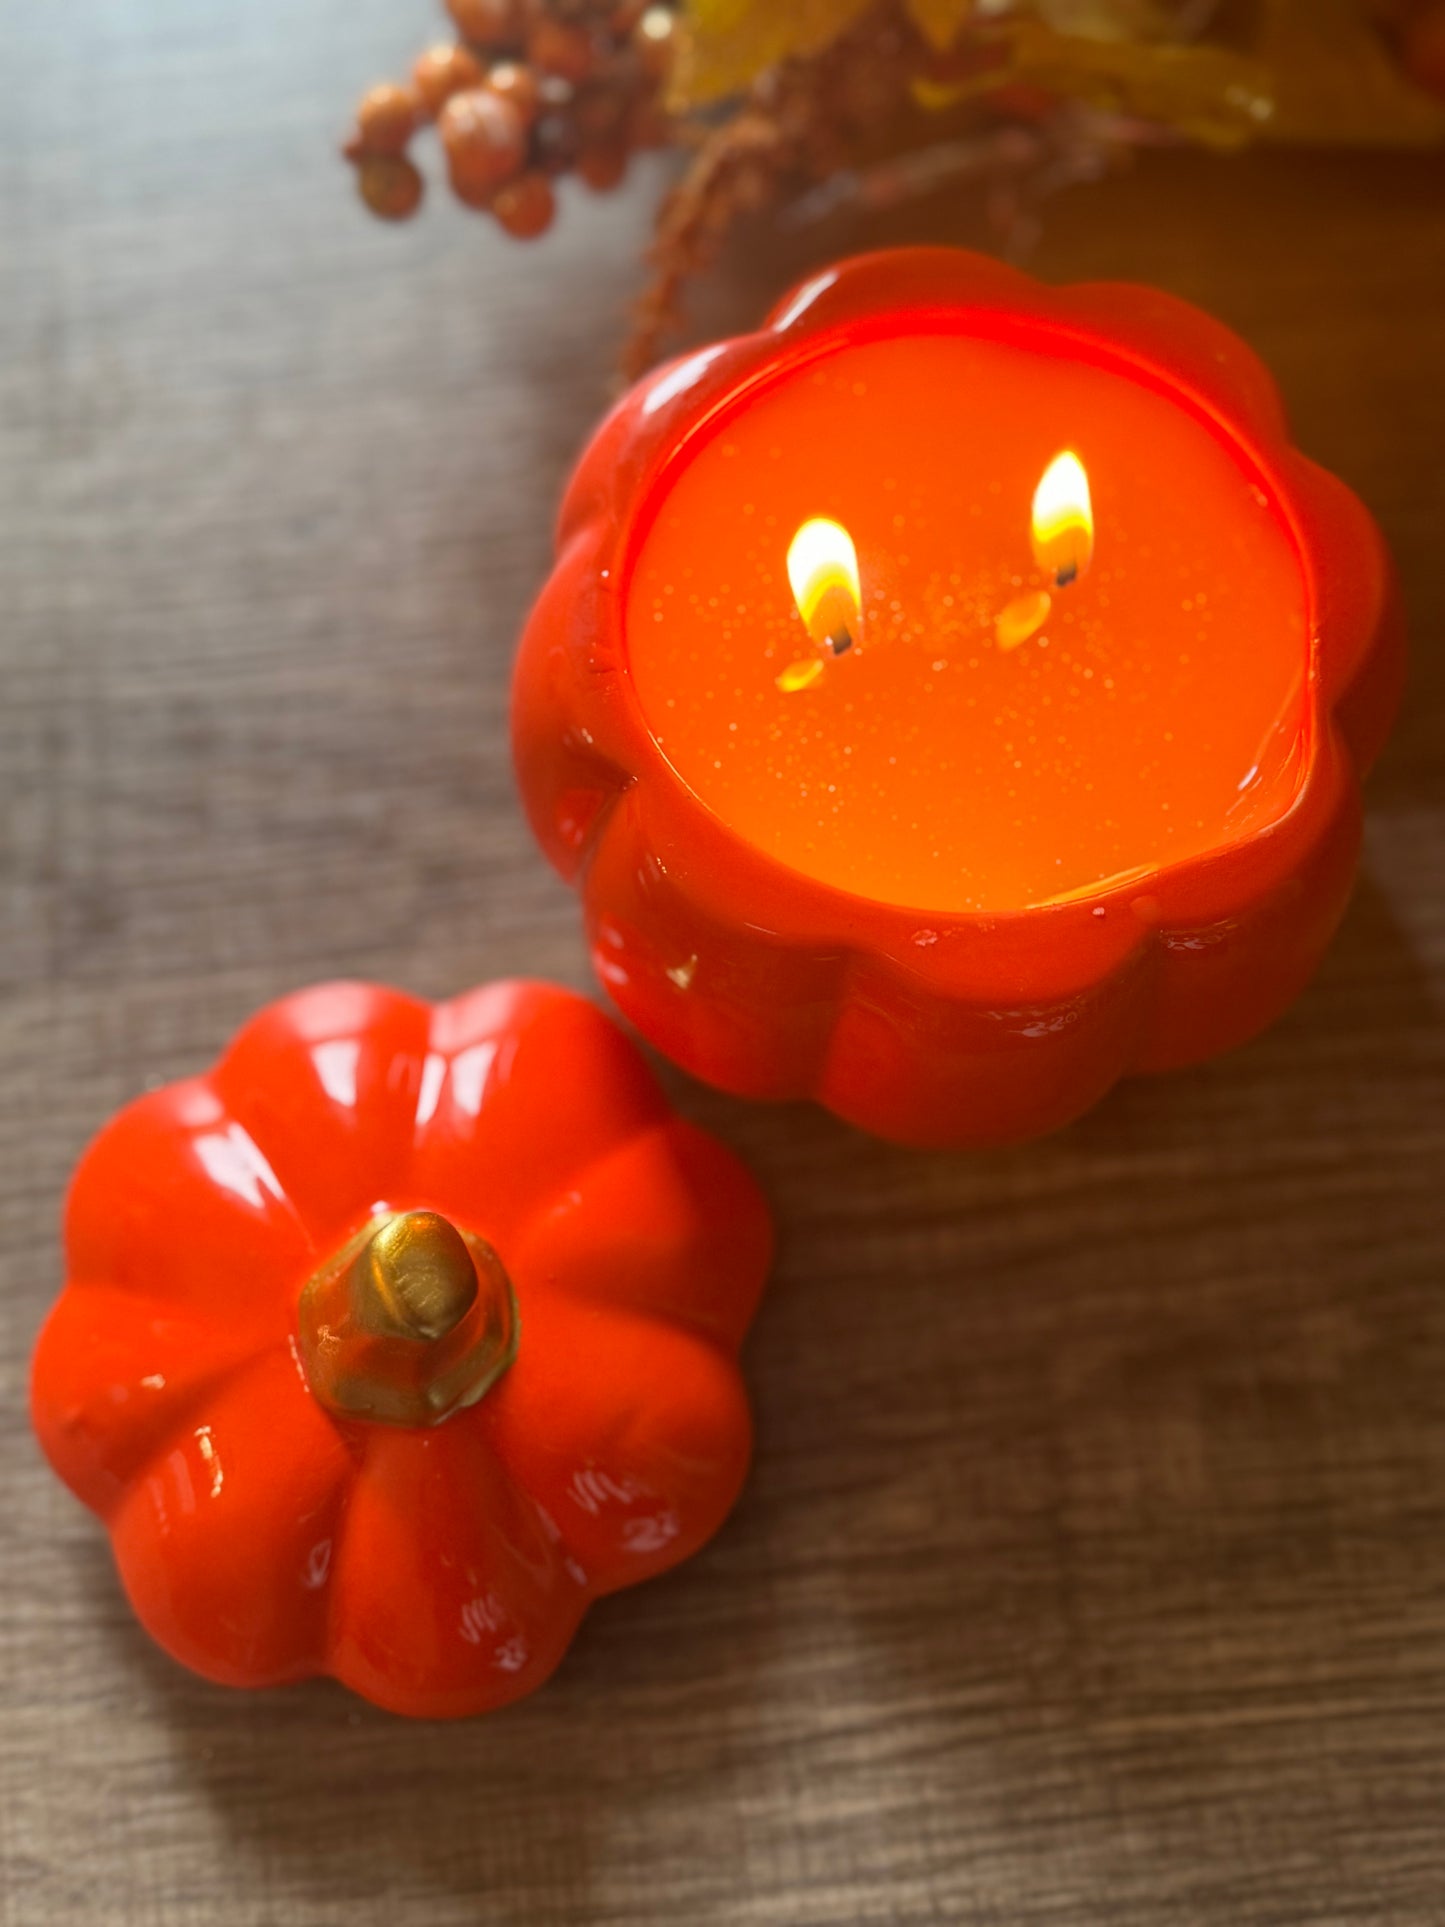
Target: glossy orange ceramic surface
point(893, 946)
point(263, 1535)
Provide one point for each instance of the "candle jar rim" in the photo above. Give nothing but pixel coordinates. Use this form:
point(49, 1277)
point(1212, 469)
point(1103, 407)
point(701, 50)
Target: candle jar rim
point(721, 382)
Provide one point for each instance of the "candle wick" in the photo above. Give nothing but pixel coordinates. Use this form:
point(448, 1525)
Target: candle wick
point(841, 640)
point(1069, 573)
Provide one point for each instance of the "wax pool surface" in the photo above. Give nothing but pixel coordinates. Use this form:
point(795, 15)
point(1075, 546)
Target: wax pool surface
point(1159, 712)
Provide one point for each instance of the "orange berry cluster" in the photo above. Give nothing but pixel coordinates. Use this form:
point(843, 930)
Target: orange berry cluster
point(530, 90)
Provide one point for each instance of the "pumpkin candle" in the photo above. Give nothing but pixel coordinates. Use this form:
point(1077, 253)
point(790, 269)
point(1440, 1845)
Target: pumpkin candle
point(991, 739)
point(954, 696)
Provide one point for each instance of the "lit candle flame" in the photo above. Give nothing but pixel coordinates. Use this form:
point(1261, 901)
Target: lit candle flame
point(1063, 525)
point(823, 571)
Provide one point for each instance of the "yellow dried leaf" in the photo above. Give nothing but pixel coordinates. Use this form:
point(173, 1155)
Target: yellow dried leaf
point(1306, 70)
point(940, 21)
point(726, 44)
point(1112, 19)
point(1211, 93)
point(934, 96)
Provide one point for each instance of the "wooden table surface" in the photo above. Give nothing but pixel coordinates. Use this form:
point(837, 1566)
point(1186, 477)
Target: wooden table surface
point(1093, 1565)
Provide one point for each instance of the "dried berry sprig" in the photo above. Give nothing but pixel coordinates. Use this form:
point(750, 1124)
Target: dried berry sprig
point(527, 92)
point(809, 120)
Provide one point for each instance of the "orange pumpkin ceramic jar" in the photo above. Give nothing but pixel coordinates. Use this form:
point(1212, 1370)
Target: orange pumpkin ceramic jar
point(399, 1337)
point(954, 696)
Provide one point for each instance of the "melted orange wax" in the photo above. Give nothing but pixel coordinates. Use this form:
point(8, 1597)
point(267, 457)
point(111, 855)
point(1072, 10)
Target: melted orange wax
point(1158, 711)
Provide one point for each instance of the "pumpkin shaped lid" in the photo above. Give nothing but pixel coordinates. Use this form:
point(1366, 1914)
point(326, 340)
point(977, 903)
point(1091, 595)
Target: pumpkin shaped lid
point(399, 1336)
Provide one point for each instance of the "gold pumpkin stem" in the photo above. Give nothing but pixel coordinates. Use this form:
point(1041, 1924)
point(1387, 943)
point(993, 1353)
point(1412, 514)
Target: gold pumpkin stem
point(414, 1277)
point(410, 1321)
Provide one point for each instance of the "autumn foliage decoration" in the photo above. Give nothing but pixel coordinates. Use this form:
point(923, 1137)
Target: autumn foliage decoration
point(824, 102)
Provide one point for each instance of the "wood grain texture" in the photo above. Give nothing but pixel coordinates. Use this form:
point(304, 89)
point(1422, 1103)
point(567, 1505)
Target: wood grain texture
point(1093, 1566)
